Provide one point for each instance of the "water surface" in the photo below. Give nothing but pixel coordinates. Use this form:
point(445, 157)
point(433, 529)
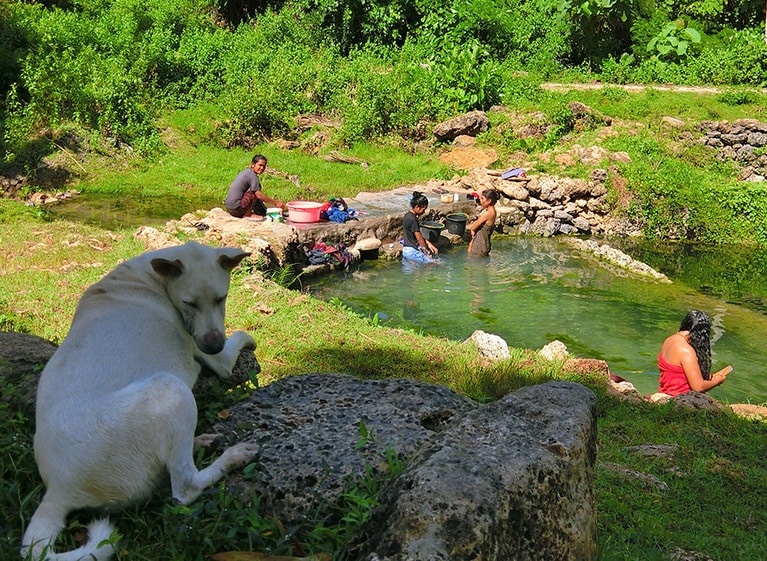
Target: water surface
point(534, 290)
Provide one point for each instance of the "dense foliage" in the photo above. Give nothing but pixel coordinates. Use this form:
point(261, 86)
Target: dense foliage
point(109, 69)
point(381, 66)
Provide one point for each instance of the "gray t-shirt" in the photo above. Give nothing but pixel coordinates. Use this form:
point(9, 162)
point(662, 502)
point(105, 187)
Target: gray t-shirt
point(246, 180)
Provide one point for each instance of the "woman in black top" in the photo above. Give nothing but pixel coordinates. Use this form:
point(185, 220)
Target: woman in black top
point(416, 247)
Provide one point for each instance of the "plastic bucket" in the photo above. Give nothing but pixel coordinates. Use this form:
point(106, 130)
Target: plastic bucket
point(456, 223)
point(430, 230)
point(304, 211)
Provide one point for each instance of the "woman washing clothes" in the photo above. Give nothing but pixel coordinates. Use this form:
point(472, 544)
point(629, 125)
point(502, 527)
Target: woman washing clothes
point(685, 358)
point(416, 247)
point(479, 246)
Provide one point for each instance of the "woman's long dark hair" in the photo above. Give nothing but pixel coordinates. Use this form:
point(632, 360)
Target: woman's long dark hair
point(699, 326)
point(419, 199)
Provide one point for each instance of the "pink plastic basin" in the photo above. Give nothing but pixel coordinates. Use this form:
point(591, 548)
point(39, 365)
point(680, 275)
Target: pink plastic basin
point(304, 211)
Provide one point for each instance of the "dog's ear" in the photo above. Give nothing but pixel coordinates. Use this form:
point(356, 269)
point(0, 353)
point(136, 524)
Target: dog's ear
point(230, 260)
point(167, 268)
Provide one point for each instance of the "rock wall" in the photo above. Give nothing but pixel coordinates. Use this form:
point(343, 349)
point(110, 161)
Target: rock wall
point(740, 141)
point(547, 205)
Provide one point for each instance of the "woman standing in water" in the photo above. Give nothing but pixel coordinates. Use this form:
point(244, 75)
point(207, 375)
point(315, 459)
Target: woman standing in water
point(685, 358)
point(416, 247)
point(479, 246)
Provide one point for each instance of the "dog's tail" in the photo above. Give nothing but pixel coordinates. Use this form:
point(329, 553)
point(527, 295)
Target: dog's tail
point(40, 536)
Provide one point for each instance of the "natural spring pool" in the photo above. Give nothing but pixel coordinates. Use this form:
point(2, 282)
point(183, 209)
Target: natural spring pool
point(534, 290)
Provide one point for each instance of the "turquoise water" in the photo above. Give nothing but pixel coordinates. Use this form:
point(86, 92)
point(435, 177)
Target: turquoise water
point(534, 290)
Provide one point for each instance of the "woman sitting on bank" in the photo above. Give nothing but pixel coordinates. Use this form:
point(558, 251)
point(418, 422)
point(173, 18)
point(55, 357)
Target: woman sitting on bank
point(685, 358)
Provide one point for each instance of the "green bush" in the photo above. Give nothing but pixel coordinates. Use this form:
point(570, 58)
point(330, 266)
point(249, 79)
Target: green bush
point(464, 78)
point(734, 58)
point(740, 96)
point(92, 67)
point(682, 195)
point(383, 96)
point(599, 28)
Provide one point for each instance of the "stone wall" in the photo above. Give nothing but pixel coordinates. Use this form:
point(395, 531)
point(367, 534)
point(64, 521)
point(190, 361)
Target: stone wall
point(547, 205)
point(742, 140)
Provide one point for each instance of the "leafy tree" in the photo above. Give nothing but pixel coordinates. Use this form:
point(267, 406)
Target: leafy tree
point(600, 28)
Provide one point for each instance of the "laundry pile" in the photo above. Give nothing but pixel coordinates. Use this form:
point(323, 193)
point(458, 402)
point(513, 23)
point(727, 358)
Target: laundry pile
point(327, 254)
point(336, 210)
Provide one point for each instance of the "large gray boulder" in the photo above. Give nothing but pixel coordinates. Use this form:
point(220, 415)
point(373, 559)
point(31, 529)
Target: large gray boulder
point(309, 432)
point(509, 480)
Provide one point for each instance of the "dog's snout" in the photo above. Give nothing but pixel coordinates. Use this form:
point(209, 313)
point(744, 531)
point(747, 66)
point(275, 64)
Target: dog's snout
point(212, 342)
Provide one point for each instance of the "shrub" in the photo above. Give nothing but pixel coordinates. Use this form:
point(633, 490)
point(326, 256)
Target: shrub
point(733, 58)
point(383, 96)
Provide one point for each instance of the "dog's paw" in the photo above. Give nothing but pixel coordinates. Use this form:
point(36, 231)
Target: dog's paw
point(244, 340)
point(210, 440)
point(239, 454)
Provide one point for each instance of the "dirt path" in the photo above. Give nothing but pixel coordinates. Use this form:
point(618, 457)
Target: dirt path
point(553, 86)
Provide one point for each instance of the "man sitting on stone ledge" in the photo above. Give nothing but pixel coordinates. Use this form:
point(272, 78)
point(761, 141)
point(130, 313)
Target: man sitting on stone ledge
point(245, 198)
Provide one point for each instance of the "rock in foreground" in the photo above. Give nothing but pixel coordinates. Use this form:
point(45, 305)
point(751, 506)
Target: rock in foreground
point(512, 479)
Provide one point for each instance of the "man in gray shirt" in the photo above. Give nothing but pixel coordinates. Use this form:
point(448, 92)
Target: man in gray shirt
point(245, 197)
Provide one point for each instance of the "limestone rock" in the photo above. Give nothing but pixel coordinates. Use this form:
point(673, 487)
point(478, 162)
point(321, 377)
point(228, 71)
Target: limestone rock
point(489, 345)
point(750, 411)
point(464, 141)
point(673, 122)
point(621, 157)
point(309, 436)
point(155, 239)
point(470, 124)
point(697, 400)
point(368, 244)
point(592, 155)
point(514, 191)
point(510, 480)
point(556, 350)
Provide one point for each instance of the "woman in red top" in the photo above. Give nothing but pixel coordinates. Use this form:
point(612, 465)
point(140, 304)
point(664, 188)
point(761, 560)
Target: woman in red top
point(685, 358)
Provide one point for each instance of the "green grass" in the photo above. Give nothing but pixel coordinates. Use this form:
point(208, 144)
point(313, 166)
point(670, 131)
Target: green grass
point(197, 168)
point(712, 503)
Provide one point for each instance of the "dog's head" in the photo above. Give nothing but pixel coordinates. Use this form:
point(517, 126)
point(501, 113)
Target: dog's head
point(197, 278)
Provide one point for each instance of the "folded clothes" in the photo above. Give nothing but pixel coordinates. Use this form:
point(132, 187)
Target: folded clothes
point(515, 172)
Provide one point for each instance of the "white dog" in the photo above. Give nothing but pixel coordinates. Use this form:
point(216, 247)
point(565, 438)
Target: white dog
point(115, 408)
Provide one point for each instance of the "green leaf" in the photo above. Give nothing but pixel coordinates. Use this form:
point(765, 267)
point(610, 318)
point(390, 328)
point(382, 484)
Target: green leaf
point(693, 34)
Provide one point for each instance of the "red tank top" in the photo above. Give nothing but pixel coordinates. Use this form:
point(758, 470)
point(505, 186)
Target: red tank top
point(672, 379)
